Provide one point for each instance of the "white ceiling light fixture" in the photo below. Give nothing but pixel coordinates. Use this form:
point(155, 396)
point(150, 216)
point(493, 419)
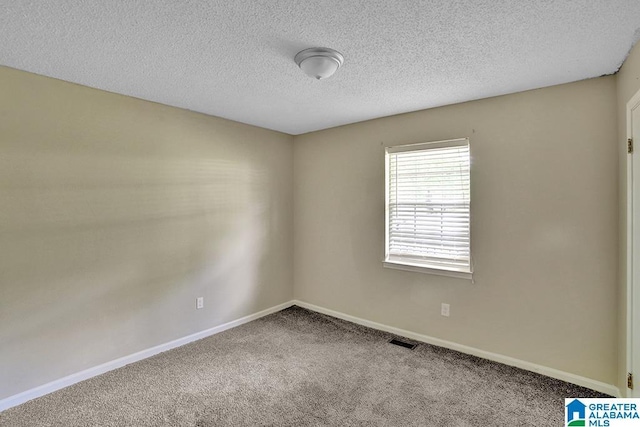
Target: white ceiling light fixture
point(319, 62)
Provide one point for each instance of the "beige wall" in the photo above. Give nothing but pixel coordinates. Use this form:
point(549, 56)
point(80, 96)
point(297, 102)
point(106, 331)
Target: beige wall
point(628, 83)
point(117, 213)
point(544, 224)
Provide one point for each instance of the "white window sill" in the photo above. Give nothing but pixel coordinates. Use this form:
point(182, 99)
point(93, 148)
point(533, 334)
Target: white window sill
point(421, 269)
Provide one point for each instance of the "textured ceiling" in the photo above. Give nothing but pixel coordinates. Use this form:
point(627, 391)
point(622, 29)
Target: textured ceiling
point(234, 58)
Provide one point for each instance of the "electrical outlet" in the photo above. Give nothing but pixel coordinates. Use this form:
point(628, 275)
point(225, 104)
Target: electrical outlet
point(199, 303)
point(444, 310)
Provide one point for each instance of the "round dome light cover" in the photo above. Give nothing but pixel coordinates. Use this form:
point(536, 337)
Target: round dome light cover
point(319, 62)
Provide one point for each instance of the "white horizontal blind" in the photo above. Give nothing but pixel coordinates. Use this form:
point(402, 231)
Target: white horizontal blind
point(428, 199)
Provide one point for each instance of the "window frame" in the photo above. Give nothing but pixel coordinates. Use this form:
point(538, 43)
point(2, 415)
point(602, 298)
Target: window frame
point(400, 263)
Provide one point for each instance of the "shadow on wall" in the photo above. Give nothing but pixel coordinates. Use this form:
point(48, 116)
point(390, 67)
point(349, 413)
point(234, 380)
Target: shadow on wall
point(102, 254)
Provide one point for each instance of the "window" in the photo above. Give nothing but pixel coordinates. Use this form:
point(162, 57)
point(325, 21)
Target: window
point(427, 208)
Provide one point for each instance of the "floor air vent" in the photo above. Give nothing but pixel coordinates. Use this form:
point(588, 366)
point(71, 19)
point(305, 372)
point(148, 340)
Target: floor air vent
point(403, 344)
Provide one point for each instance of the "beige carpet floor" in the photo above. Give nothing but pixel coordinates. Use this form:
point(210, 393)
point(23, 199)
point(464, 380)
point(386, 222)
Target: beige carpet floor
point(300, 368)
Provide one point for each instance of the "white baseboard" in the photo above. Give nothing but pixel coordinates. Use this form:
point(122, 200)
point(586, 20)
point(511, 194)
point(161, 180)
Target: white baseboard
point(58, 384)
point(550, 372)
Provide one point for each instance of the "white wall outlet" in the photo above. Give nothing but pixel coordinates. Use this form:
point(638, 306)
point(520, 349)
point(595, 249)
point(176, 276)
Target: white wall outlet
point(444, 310)
point(199, 303)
